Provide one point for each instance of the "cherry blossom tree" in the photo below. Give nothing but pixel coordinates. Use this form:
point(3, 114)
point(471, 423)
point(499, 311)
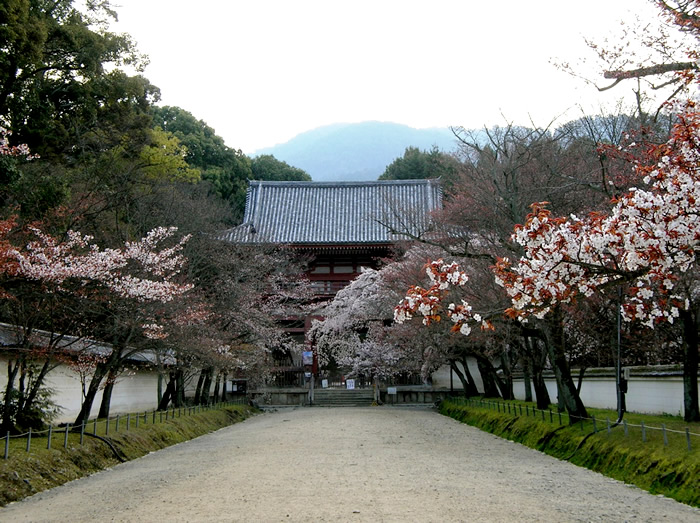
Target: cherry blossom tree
point(357, 333)
point(248, 290)
point(648, 242)
point(352, 333)
point(48, 283)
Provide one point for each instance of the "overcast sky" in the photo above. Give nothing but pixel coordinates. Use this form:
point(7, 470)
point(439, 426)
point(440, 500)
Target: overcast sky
point(260, 72)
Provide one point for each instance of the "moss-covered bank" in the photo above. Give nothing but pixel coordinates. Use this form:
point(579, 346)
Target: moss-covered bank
point(670, 470)
point(24, 474)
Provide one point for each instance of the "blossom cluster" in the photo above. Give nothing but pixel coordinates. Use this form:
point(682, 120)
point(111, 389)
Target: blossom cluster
point(154, 331)
point(139, 271)
point(429, 303)
point(648, 239)
point(13, 150)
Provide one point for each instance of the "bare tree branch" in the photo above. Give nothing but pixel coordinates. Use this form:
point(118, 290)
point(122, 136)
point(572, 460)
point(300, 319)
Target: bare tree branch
point(640, 72)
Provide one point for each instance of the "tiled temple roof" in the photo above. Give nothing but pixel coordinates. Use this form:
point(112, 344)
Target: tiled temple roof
point(336, 213)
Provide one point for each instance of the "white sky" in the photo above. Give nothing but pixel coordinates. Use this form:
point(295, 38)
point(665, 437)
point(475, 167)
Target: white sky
point(262, 71)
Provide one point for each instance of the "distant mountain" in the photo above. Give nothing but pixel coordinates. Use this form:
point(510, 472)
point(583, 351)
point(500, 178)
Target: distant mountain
point(357, 151)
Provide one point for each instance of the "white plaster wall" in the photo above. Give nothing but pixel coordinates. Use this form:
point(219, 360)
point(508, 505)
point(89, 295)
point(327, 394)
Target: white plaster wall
point(130, 394)
point(662, 394)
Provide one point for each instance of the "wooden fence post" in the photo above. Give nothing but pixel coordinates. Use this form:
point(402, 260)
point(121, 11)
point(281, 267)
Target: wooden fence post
point(663, 430)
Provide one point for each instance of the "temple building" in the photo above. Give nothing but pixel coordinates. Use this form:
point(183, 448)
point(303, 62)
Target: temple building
point(340, 226)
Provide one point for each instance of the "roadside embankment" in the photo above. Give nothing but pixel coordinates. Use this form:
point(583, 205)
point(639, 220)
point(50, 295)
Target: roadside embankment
point(668, 469)
point(26, 473)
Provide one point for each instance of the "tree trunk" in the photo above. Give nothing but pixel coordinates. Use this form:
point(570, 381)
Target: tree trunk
point(21, 387)
point(101, 371)
point(37, 384)
point(487, 376)
point(206, 386)
point(541, 393)
point(168, 394)
point(568, 394)
point(7, 411)
point(465, 377)
point(106, 402)
point(527, 381)
point(179, 388)
point(505, 383)
point(160, 387)
point(690, 367)
point(473, 390)
point(223, 386)
point(581, 374)
point(536, 358)
point(198, 390)
point(217, 384)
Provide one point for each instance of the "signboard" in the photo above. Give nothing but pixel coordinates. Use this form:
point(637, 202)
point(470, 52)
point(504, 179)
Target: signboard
point(350, 384)
point(391, 390)
point(307, 357)
point(324, 384)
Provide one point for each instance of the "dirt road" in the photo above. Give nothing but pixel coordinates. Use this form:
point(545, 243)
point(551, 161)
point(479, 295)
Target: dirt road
point(373, 464)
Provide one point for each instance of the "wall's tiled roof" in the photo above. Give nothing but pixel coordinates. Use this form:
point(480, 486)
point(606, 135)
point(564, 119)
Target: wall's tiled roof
point(325, 213)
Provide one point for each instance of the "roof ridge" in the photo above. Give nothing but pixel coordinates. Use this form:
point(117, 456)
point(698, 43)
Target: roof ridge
point(345, 183)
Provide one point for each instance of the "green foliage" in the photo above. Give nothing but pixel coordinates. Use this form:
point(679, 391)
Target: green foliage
point(227, 170)
point(36, 416)
point(61, 94)
point(416, 164)
point(52, 58)
point(164, 159)
point(267, 167)
point(36, 189)
point(669, 470)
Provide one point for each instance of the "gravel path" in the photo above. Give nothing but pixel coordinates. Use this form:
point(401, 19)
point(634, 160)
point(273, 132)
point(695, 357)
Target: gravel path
point(369, 464)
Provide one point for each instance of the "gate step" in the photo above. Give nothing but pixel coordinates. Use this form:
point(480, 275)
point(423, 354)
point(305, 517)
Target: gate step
point(343, 397)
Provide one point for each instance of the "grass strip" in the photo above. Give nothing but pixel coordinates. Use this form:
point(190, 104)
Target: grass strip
point(673, 470)
point(26, 473)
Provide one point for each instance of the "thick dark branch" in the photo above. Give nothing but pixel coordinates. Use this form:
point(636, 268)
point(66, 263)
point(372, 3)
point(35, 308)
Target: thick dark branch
point(648, 71)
